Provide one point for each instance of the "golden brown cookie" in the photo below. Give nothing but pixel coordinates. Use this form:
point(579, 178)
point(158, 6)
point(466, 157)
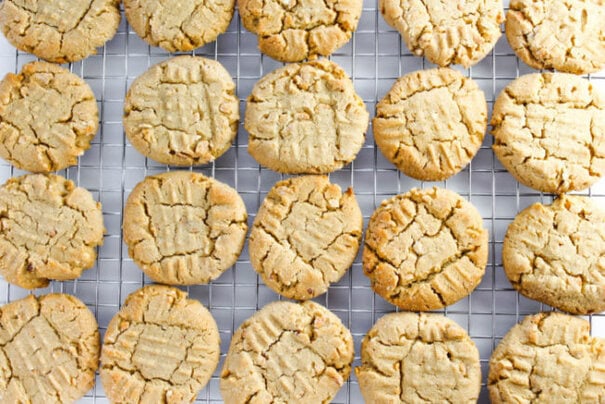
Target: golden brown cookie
point(425, 249)
point(49, 350)
point(305, 236)
point(549, 131)
point(548, 358)
point(431, 123)
point(183, 228)
point(182, 111)
point(305, 118)
point(161, 347)
point(287, 353)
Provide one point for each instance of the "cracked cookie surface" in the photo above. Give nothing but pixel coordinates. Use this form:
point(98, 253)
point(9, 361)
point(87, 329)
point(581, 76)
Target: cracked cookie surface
point(287, 353)
point(49, 229)
point(549, 131)
point(305, 236)
point(183, 228)
point(425, 249)
point(48, 117)
point(305, 118)
point(182, 111)
point(161, 347)
point(431, 123)
point(49, 350)
point(60, 31)
point(547, 358)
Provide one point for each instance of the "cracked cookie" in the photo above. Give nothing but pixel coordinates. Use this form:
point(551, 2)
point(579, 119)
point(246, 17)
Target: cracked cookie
point(425, 249)
point(161, 347)
point(305, 236)
point(287, 353)
point(417, 357)
point(49, 229)
point(446, 32)
point(549, 131)
point(49, 349)
point(548, 358)
point(182, 111)
point(48, 117)
point(60, 31)
point(183, 228)
point(305, 118)
point(567, 35)
point(431, 123)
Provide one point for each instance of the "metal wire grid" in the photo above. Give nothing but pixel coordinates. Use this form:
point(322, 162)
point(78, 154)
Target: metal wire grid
point(374, 58)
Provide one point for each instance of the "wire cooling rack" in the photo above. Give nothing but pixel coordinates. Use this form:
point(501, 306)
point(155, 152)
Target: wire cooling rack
point(374, 58)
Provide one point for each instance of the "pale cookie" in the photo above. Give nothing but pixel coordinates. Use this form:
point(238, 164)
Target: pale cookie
point(49, 229)
point(183, 228)
point(48, 117)
point(425, 249)
point(305, 236)
point(431, 123)
point(548, 358)
point(549, 131)
point(161, 347)
point(59, 31)
point(305, 119)
point(294, 30)
point(418, 358)
point(49, 350)
point(176, 25)
point(182, 111)
point(567, 35)
point(287, 353)
point(446, 32)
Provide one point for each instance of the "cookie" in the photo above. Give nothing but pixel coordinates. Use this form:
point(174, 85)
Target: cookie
point(567, 35)
point(291, 31)
point(179, 26)
point(446, 32)
point(425, 249)
point(48, 117)
point(182, 111)
point(549, 131)
point(183, 228)
point(49, 349)
point(431, 123)
point(287, 353)
point(548, 358)
point(305, 236)
point(160, 347)
point(305, 119)
point(59, 31)
point(412, 357)
point(49, 229)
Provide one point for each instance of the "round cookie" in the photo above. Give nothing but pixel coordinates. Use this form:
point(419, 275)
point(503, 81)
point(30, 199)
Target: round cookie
point(48, 116)
point(287, 353)
point(446, 32)
point(182, 111)
point(567, 35)
point(160, 347)
point(291, 31)
point(417, 357)
point(305, 236)
point(431, 123)
point(183, 228)
point(305, 118)
point(547, 358)
point(425, 249)
point(549, 131)
point(49, 349)
point(59, 31)
point(49, 229)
